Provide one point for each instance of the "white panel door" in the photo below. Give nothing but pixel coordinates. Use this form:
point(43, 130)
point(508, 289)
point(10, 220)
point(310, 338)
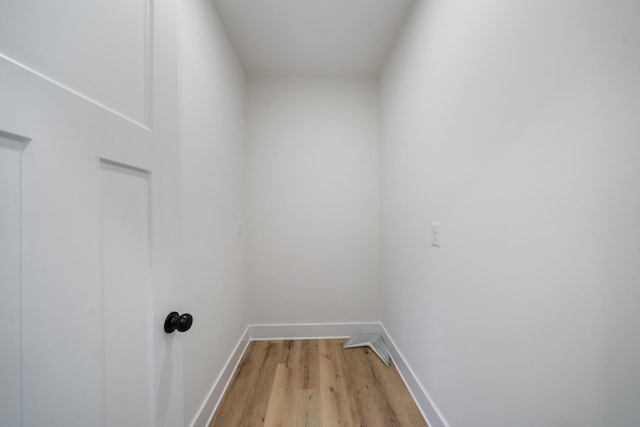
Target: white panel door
point(88, 214)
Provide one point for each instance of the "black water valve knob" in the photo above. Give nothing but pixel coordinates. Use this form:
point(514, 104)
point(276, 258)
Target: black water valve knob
point(176, 321)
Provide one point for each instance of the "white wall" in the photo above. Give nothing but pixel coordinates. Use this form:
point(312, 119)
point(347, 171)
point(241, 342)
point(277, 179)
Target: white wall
point(313, 200)
point(516, 125)
point(213, 198)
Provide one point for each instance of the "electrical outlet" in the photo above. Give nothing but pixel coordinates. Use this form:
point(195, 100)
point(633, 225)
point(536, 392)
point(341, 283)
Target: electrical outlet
point(435, 235)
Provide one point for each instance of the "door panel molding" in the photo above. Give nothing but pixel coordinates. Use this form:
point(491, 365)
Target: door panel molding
point(127, 295)
point(76, 93)
point(143, 106)
point(11, 147)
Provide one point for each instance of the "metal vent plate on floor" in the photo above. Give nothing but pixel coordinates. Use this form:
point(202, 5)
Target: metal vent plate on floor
point(374, 342)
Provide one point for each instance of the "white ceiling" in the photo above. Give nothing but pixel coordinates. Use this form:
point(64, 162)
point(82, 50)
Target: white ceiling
point(313, 38)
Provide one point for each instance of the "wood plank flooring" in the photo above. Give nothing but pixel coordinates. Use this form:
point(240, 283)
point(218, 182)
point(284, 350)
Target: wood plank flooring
point(315, 383)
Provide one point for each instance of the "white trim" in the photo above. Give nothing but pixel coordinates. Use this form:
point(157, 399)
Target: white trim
point(72, 91)
point(208, 408)
point(311, 330)
point(428, 408)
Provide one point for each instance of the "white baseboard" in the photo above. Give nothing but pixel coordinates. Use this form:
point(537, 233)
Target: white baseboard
point(429, 410)
point(311, 330)
point(208, 407)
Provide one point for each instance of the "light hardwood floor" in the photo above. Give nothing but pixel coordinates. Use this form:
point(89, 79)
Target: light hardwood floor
point(315, 383)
